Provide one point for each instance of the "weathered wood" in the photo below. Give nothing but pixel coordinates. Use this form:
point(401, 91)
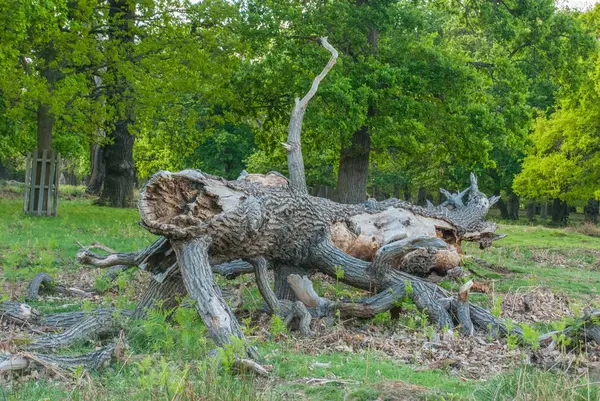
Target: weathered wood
point(18, 312)
point(40, 280)
point(293, 145)
point(192, 256)
point(262, 281)
point(271, 220)
point(92, 360)
point(95, 325)
point(34, 160)
point(165, 294)
point(41, 182)
point(281, 273)
point(27, 182)
point(51, 179)
point(158, 259)
point(69, 319)
point(460, 308)
point(41, 189)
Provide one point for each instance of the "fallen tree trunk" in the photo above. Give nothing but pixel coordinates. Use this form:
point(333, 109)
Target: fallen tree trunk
point(262, 216)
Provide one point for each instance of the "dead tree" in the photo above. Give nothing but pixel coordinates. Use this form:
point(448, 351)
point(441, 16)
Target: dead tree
point(210, 225)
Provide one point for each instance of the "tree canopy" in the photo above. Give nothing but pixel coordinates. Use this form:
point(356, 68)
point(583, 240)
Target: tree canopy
point(437, 88)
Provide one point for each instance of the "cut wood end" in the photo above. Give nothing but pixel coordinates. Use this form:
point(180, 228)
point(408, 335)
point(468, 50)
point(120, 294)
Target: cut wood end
point(303, 290)
point(463, 292)
point(249, 364)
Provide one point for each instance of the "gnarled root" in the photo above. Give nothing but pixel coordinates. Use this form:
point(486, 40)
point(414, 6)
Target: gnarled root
point(60, 364)
point(45, 281)
point(95, 325)
point(17, 312)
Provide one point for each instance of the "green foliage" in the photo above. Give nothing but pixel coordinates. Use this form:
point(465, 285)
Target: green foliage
point(562, 160)
point(530, 336)
point(497, 306)
point(277, 327)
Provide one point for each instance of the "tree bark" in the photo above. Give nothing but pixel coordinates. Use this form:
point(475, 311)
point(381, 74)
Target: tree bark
point(282, 287)
point(118, 154)
point(531, 210)
point(544, 211)
point(45, 125)
point(119, 180)
point(293, 145)
point(590, 211)
point(200, 213)
point(503, 209)
point(165, 294)
point(94, 186)
point(353, 173)
point(192, 256)
point(513, 207)
point(560, 212)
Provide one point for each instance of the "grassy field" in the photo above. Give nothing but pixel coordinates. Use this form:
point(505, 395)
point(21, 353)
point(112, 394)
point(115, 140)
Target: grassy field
point(359, 359)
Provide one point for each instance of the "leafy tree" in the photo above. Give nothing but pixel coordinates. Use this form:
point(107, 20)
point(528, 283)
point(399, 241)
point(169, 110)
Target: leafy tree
point(562, 161)
point(46, 49)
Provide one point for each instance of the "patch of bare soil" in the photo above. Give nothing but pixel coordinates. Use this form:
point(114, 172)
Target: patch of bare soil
point(537, 305)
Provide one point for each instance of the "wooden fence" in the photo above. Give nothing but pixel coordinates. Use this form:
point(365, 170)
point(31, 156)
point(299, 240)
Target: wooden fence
point(41, 183)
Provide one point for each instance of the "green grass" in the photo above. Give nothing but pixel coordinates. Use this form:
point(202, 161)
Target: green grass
point(545, 237)
point(171, 358)
point(559, 259)
point(31, 244)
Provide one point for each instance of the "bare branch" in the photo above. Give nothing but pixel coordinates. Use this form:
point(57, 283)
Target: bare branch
point(293, 146)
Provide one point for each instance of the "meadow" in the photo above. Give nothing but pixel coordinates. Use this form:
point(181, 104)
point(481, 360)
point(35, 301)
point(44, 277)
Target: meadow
point(538, 276)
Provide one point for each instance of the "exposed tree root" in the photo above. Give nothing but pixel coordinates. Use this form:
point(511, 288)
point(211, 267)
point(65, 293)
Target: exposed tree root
point(68, 319)
point(43, 280)
point(245, 365)
point(18, 312)
point(95, 325)
point(60, 364)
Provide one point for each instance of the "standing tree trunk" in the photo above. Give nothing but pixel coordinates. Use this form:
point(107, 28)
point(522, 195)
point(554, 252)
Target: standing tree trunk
point(407, 194)
point(120, 178)
point(560, 212)
point(97, 172)
point(531, 210)
point(513, 207)
point(353, 172)
point(97, 167)
point(590, 211)
point(544, 211)
point(422, 197)
point(45, 125)
point(503, 209)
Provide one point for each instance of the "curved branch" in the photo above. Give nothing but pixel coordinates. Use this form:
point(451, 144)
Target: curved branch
point(293, 145)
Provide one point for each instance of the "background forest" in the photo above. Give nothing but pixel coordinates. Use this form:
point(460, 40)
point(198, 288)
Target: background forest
point(423, 93)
